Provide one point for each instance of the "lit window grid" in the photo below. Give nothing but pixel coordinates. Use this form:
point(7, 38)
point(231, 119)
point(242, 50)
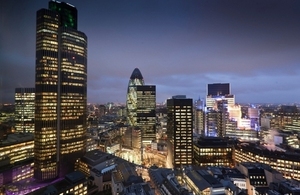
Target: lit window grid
point(17, 152)
point(24, 111)
point(22, 173)
point(213, 156)
point(78, 189)
point(289, 168)
point(183, 143)
point(47, 78)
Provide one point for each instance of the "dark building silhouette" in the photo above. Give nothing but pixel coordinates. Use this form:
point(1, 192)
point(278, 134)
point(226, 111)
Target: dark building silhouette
point(213, 151)
point(61, 91)
point(218, 89)
point(180, 129)
point(146, 113)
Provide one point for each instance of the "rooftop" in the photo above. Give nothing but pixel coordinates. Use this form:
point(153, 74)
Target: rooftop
point(17, 138)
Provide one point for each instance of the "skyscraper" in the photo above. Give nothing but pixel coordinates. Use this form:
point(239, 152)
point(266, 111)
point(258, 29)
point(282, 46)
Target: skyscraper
point(218, 89)
point(141, 104)
point(24, 109)
point(136, 79)
point(61, 91)
point(180, 129)
point(146, 115)
point(199, 113)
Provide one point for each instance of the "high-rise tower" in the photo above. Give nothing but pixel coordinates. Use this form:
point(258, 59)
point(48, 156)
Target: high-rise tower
point(141, 104)
point(218, 91)
point(24, 109)
point(136, 79)
point(180, 130)
point(61, 91)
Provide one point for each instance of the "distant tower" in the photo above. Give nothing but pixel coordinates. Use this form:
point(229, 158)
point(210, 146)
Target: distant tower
point(136, 79)
point(141, 104)
point(217, 101)
point(218, 91)
point(61, 91)
point(24, 109)
point(180, 129)
point(199, 117)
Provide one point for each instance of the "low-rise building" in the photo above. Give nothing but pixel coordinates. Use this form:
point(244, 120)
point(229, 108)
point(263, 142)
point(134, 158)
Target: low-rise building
point(213, 151)
point(202, 182)
point(73, 183)
point(165, 181)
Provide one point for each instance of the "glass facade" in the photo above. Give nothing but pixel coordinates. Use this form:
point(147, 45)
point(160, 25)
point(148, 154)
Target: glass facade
point(141, 105)
point(18, 150)
point(24, 109)
point(67, 11)
point(146, 115)
point(61, 88)
point(180, 130)
point(211, 151)
point(136, 79)
point(286, 163)
point(218, 89)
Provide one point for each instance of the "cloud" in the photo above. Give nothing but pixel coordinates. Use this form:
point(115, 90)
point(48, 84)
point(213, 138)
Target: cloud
point(179, 46)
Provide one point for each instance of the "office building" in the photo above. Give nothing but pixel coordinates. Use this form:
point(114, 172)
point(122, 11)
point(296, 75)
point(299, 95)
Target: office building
point(199, 113)
point(72, 183)
point(286, 162)
point(141, 104)
point(213, 151)
point(16, 158)
point(136, 79)
point(165, 181)
point(146, 114)
point(24, 110)
point(284, 116)
point(202, 182)
point(125, 180)
point(61, 91)
point(218, 89)
point(132, 138)
point(216, 121)
point(258, 176)
point(180, 129)
point(16, 147)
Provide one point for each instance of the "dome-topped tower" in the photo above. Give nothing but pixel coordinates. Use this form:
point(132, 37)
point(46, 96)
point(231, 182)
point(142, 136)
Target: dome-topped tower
point(136, 78)
point(140, 105)
point(136, 74)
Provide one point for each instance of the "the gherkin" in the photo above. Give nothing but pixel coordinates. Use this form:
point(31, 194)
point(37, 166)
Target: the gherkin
point(141, 103)
point(136, 79)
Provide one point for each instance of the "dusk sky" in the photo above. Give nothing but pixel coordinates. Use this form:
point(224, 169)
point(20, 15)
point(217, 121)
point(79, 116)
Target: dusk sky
point(179, 46)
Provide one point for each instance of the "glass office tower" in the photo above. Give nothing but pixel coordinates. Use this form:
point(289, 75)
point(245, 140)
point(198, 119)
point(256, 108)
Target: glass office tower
point(180, 129)
point(218, 89)
point(61, 91)
point(24, 110)
point(136, 79)
point(146, 115)
point(141, 105)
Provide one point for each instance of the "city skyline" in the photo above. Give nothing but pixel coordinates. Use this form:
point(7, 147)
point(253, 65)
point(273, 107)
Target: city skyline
point(179, 46)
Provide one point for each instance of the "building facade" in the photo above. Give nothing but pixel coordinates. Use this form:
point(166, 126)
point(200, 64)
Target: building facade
point(287, 163)
point(141, 105)
point(61, 91)
point(24, 110)
point(213, 151)
point(180, 129)
point(146, 114)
